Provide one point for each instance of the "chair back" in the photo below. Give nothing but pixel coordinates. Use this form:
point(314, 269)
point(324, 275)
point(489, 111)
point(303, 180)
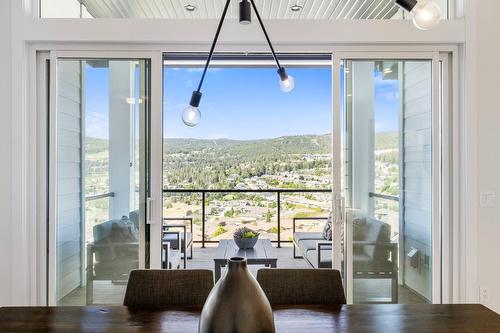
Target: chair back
point(152, 288)
point(301, 286)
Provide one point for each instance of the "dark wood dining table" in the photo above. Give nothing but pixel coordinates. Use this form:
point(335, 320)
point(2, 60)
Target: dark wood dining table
point(343, 318)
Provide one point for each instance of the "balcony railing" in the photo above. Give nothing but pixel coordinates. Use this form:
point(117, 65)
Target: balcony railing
point(278, 193)
point(99, 196)
point(383, 196)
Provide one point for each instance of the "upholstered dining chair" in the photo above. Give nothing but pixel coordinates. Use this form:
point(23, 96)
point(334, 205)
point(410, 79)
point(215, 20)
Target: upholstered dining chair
point(301, 286)
point(161, 288)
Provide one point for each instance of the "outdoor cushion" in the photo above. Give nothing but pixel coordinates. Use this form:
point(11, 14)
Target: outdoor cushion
point(172, 239)
point(134, 217)
point(298, 236)
point(326, 258)
point(174, 258)
point(309, 245)
point(327, 229)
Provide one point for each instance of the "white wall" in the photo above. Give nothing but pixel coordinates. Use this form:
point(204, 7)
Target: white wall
point(5, 151)
point(417, 178)
point(488, 152)
point(69, 191)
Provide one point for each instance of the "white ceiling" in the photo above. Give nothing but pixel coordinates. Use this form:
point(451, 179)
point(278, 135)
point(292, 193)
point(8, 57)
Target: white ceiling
point(269, 9)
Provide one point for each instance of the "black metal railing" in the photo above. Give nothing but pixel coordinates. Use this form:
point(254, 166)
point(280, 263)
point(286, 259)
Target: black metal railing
point(99, 196)
point(278, 202)
point(383, 196)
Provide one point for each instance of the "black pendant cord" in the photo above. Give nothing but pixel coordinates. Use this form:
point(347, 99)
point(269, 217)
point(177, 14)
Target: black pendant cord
point(214, 42)
point(265, 34)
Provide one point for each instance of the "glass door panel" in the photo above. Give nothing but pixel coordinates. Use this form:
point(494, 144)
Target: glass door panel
point(101, 175)
point(387, 179)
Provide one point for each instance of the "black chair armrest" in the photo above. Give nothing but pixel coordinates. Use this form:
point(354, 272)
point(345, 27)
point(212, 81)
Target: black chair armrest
point(166, 226)
point(175, 226)
point(166, 247)
point(91, 247)
point(295, 219)
point(321, 246)
point(384, 244)
point(165, 254)
point(171, 225)
point(190, 219)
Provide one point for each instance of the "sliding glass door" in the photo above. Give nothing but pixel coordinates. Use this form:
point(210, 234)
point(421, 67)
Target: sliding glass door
point(99, 170)
point(111, 155)
point(390, 174)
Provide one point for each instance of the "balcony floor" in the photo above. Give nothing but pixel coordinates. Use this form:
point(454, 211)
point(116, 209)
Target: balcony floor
point(366, 290)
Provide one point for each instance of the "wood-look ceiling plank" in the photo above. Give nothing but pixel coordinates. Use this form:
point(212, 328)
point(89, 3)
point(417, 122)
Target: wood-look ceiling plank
point(330, 10)
point(265, 8)
point(323, 8)
point(115, 9)
point(313, 11)
point(342, 6)
point(307, 5)
point(360, 14)
point(394, 10)
point(160, 4)
point(149, 9)
point(170, 8)
point(349, 14)
point(287, 12)
point(134, 10)
point(378, 5)
point(281, 8)
point(269, 9)
point(387, 6)
point(274, 8)
point(233, 11)
point(91, 8)
point(181, 11)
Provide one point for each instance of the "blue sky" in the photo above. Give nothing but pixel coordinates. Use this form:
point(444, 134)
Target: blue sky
point(244, 103)
point(247, 103)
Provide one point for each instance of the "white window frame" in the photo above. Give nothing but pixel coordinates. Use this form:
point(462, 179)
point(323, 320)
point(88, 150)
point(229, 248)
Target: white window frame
point(443, 281)
point(49, 242)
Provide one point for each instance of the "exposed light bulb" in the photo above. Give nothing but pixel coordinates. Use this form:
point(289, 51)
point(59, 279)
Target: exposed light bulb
point(287, 84)
point(191, 116)
point(426, 14)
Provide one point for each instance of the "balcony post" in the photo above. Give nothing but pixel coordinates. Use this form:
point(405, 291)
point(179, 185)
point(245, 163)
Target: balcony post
point(279, 217)
point(203, 219)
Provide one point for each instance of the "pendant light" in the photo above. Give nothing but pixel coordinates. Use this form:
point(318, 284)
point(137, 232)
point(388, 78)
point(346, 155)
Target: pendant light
point(426, 14)
point(191, 116)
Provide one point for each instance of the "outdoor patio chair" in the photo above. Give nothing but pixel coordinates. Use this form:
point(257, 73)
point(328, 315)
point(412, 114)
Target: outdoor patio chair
point(301, 286)
point(160, 288)
point(170, 231)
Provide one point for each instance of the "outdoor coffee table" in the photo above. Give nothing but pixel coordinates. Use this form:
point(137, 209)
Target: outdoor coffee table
point(263, 253)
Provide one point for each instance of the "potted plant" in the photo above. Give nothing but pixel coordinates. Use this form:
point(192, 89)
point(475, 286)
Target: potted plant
point(245, 238)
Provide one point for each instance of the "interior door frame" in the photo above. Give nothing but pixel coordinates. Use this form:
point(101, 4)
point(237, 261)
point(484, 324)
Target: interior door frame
point(155, 158)
point(440, 154)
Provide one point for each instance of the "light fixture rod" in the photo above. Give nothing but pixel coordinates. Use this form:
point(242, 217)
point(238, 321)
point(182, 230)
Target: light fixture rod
point(214, 42)
point(265, 33)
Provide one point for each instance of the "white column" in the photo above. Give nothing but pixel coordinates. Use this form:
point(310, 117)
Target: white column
point(120, 138)
point(363, 106)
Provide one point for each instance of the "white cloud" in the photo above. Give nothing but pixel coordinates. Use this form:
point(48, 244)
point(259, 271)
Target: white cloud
point(96, 125)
